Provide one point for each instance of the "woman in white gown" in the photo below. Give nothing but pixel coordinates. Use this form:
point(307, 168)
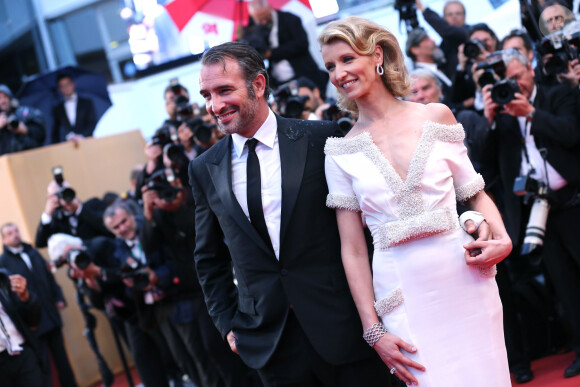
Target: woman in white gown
point(430, 308)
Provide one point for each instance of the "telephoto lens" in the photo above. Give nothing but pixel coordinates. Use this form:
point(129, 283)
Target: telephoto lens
point(536, 228)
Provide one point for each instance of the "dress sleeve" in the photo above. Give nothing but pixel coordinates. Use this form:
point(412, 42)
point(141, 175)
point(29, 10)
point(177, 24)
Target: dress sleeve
point(341, 194)
point(466, 181)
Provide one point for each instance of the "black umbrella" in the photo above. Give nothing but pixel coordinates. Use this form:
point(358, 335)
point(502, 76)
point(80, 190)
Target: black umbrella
point(41, 92)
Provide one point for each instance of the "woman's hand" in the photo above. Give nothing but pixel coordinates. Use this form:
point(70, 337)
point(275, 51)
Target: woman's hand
point(389, 349)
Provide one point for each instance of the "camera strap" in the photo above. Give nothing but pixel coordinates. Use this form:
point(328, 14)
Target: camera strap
point(523, 137)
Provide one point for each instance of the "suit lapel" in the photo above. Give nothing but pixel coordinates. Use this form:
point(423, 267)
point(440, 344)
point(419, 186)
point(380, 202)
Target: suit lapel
point(293, 143)
point(220, 171)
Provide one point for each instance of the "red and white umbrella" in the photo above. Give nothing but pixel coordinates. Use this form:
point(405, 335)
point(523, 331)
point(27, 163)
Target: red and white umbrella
point(217, 20)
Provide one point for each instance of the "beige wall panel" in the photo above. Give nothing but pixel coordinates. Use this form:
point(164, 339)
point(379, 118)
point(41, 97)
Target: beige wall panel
point(95, 166)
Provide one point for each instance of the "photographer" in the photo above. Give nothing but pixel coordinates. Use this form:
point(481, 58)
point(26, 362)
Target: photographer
point(536, 147)
point(482, 42)
point(21, 127)
point(19, 314)
point(65, 213)
point(170, 222)
point(162, 290)
point(280, 37)
point(451, 27)
point(196, 136)
point(100, 279)
point(559, 50)
point(21, 258)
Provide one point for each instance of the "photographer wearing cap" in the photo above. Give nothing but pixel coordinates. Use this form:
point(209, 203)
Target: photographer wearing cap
point(19, 313)
point(535, 142)
point(21, 258)
point(21, 127)
point(65, 213)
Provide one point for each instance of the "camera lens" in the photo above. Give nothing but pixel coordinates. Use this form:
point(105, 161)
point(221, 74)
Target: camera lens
point(67, 194)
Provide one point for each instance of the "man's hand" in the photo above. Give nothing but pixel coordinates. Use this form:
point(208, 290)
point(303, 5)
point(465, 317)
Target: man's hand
point(572, 77)
point(18, 285)
point(52, 203)
point(489, 107)
point(388, 347)
point(419, 5)
point(482, 233)
point(153, 279)
point(492, 252)
point(232, 341)
point(150, 200)
point(3, 120)
point(520, 106)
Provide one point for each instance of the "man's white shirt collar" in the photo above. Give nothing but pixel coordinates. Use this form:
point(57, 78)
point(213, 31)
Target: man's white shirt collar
point(266, 135)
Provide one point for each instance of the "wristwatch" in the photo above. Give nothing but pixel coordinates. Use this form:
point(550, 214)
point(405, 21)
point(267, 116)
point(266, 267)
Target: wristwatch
point(530, 116)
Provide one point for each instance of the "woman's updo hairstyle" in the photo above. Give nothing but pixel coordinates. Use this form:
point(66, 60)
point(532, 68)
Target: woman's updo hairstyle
point(363, 36)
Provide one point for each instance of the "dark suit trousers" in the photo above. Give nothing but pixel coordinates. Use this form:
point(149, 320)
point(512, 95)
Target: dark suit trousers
point(561, 258)
point(296, 363)
point(149, 359)
point(53, 342)
point(21, 370)
point(184, 339)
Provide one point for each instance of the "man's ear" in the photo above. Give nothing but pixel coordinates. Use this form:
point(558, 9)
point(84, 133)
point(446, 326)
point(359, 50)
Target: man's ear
point(259, 85)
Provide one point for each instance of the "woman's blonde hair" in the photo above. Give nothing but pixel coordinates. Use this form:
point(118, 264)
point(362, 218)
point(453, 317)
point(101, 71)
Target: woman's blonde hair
point(363, 36)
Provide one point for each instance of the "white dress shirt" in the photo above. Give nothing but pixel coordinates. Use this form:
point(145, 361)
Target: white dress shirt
point(543, 171)
point(268, 152)
point(22, 254)
point(70, 107)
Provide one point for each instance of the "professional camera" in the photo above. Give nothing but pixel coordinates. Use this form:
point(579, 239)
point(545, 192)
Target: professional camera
point(200, 129)
point(165, 135)
point(183, 109)
point(65, 193)
point(504, 90)
point(79, 257)
point(407, 13)
point(342, 118)
point(290, 104)
point(13, 122)
point(473, 49)
point(493, 66)
point(536, 227)
point(133, 269)
point(257, 36)
point(564, 48)
point(160, 181)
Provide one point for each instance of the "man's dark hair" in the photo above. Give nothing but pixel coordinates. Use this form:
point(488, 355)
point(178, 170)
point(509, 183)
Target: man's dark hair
point(517, 33)
point(250, 62)
point(306, 82)
point(482, 27)
point(62, 76)
point(551, 3)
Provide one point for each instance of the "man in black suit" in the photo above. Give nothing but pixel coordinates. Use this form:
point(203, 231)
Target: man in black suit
point(291, 316)
point(75, 117)
point(21, 258)
point(70, 216)
point(19, 312)
point(286, 45)
point(538, 135)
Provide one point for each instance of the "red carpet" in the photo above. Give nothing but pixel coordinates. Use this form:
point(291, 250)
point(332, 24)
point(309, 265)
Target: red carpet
point(549, 372)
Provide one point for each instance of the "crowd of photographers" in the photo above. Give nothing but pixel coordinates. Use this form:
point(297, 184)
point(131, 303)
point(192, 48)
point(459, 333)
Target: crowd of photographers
point(518, 100)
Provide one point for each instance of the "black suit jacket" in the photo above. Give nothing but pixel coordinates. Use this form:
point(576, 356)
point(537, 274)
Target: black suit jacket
point(24, 315)
point(555, 127)
point(86, 120)
point(90, 224)
point(41, 282)
point(293, 47)
point(309, 276)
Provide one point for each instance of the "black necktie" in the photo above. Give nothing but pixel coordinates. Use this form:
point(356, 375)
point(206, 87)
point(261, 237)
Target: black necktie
point(254, 190)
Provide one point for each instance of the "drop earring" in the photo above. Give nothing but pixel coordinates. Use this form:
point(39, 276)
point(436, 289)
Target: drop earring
point(380, 69)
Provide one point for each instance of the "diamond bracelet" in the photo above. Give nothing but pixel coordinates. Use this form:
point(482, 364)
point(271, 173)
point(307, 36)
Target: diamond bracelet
point(374, 333)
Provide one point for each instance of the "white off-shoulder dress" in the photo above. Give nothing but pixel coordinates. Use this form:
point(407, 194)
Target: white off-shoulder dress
point(425, 293)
